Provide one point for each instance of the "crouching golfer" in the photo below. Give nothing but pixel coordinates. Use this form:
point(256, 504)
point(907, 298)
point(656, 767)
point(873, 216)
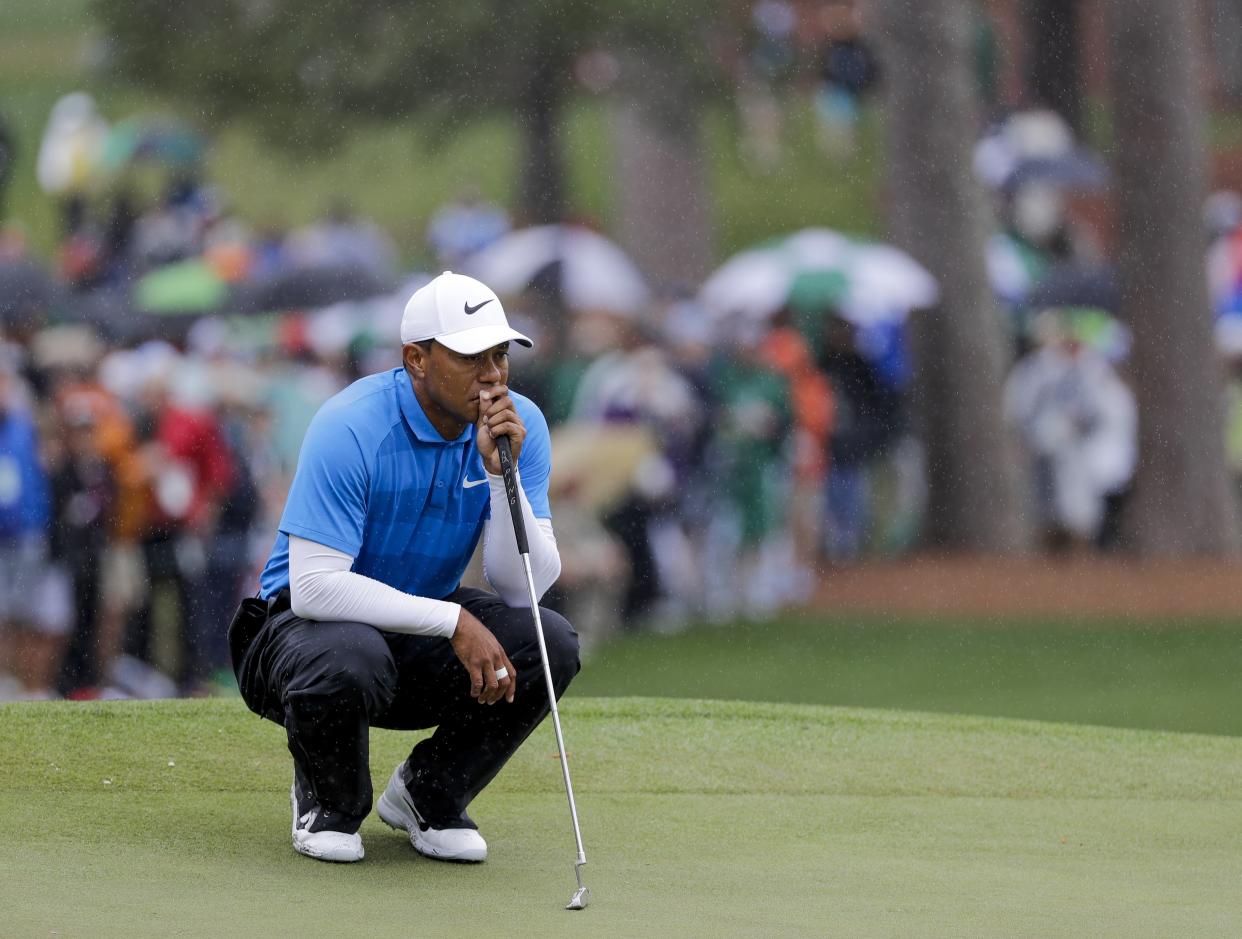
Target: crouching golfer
point(360, 620)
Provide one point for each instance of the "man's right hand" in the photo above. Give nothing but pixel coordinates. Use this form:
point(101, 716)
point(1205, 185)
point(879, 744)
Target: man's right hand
point(483, 657)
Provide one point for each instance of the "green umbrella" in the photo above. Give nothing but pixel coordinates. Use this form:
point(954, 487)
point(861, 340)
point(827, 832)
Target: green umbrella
point(811, 294)
point(186, 287)
point(815, 270)
point(816, 291)
point(154, 139)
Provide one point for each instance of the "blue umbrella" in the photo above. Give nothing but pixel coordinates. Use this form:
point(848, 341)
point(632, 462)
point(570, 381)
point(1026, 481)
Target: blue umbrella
point(27, 292)
point(1076, 285)
point(1079, 171)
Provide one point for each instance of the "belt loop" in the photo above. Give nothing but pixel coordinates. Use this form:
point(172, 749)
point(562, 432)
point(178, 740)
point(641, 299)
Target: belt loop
point(279, 603)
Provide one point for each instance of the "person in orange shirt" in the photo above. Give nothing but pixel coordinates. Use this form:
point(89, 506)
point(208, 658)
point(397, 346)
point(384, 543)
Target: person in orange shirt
point(114, 440)
point(785, 350)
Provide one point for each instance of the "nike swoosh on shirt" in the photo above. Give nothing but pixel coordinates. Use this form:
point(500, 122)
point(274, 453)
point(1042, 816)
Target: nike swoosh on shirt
point(471, 483)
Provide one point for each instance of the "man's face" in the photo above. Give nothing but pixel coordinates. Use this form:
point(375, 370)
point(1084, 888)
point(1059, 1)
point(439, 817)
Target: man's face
point(452, 381)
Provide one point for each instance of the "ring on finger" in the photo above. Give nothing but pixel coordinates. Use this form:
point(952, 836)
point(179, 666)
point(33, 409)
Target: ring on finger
point(502, 673)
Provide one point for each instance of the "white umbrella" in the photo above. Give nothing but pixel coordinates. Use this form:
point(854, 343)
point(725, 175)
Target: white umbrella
point(879, 282)
point(595, 273)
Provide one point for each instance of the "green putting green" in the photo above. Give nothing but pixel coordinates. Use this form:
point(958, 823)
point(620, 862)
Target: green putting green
point(700, 818)
point(1150, 674)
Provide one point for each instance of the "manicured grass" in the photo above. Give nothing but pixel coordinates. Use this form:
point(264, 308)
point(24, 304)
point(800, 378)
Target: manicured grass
point(1172, 676)
point(700, 818)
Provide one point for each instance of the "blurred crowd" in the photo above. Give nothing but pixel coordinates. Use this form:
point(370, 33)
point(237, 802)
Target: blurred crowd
point(823, 51)
point(716, 451)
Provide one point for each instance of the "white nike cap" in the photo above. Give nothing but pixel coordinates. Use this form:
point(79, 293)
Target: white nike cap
point(458, 312)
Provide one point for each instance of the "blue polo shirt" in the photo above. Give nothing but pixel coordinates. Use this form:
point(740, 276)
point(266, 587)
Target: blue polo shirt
point(378, 482)
point(25, 506)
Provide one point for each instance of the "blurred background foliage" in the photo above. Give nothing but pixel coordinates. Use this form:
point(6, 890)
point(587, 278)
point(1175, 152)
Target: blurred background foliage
point(283, 160)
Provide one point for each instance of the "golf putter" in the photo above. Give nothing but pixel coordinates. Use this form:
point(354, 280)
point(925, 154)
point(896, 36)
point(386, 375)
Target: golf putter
point(582, 895)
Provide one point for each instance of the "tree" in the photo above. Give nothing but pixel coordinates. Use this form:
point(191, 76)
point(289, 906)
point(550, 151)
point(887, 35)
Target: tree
point(1225, 36)
point(938, 213)
point(664, 220)
point(1053, 66)
point(311, 73)
point(1182, 502)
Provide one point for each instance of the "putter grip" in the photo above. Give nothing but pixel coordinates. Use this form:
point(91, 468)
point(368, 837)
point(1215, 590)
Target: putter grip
point(511, 493)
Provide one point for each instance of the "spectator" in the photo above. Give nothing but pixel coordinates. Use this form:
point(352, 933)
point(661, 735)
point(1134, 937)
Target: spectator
point(752, 429)
point(811, 398)
point(32, 624)
point(689, 334)
point(83, 497)
point(636, 384)
point(227, 549)
point(1233, 417)
point(189, 470)
point(78, 391)
point(766, 73)
point(868, 419)
point(464, 226)
point(174, 231)
point(848, 71)
point(342, 239)
point(1079, 423)
point(69, 155)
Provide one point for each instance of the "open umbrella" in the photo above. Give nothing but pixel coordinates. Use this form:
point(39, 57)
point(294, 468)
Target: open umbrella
point(816, 269)
point(27, 292)
point(1076, 285)
point(1079, 171)
point(114, 313)
point(1037, 146)
point(186, 287)
point(310, 287)
point(593, 273)
point(148, 139)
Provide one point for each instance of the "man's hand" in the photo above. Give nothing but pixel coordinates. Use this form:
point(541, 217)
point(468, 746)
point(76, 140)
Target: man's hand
point(483, 657)
point(497, 418)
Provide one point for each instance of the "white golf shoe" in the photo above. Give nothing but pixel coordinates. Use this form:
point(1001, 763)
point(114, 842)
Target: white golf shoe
point(325, 844)
point(396, 809)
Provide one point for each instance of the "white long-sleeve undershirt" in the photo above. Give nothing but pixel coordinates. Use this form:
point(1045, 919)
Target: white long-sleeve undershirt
point(502, 565)
point(323, 587)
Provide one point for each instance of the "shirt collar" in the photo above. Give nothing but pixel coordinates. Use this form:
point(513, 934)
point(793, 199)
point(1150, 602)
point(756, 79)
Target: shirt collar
point(415, 417)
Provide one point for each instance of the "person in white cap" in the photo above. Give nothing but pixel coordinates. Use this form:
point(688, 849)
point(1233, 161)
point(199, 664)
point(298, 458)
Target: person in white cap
point(360, 620)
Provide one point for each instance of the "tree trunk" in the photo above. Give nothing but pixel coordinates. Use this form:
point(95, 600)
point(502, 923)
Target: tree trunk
point(1225, 32)
point(663, 204)
point(938, 214)
point(542, 197)
point(1182, 504)
point(1053, 61)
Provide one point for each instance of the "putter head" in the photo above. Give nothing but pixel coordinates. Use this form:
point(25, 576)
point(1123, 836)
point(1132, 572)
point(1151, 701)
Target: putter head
point(582, 896)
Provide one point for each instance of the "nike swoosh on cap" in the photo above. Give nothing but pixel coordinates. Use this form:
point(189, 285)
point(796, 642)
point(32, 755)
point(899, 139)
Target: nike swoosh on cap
point(478, 306)
point(471, 483)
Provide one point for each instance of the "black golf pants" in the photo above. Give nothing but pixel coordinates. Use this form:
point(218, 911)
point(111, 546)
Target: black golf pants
point(328, 683)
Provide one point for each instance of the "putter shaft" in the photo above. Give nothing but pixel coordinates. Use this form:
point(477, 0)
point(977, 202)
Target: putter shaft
point(582, 894)
point(505, 452)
